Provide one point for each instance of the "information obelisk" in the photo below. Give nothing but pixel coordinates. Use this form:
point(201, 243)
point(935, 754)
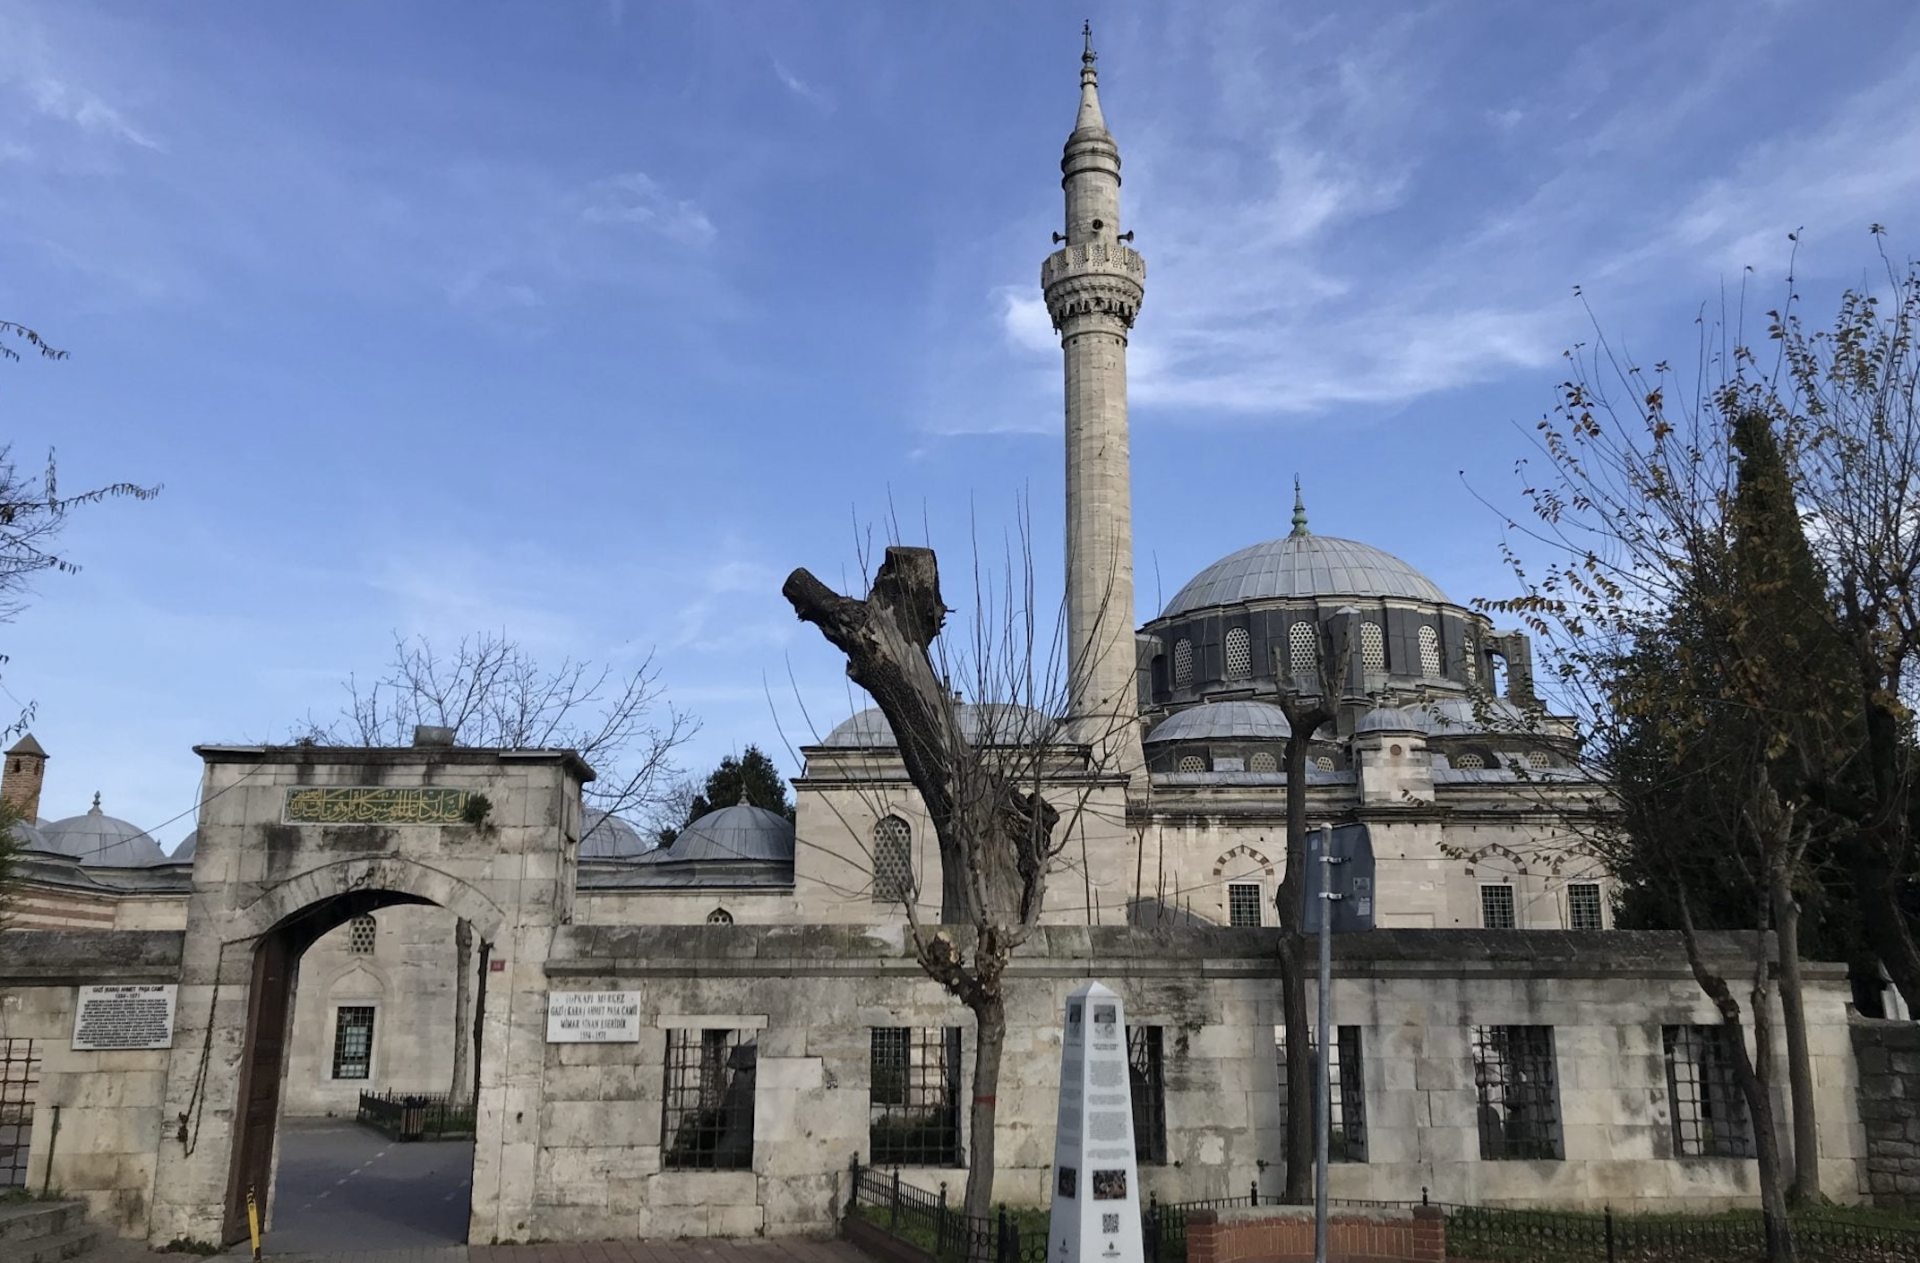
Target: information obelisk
point(1096, 1186)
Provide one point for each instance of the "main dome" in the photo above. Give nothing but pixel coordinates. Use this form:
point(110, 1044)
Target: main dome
point(1302, 565)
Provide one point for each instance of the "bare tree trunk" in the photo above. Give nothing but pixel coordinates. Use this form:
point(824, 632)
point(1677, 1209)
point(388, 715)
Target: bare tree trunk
point(990, 1040)
point(459, 1092)
point(1806, 1129)
point(1305, 715)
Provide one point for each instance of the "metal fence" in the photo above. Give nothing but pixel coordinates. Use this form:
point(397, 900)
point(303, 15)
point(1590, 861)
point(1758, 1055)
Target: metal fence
point(19, 1082)
point(416, 1115)
point(1491, 1235)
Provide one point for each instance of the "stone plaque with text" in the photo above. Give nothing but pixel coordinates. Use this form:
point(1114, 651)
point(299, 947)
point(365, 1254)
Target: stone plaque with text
point(124, 1015)
point(593, 1017)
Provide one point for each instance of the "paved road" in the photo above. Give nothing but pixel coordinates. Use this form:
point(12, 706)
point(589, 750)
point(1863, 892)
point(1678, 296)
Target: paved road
point(343, 1187)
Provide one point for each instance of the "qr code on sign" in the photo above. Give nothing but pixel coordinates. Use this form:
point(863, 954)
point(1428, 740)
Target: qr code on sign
point(1109, 1223)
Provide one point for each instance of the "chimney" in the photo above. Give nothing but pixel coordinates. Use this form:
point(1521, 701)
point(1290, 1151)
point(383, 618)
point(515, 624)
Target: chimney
point(20, 783)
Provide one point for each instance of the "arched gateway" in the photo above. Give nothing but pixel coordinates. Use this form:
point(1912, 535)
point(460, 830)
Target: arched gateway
point(293, 842)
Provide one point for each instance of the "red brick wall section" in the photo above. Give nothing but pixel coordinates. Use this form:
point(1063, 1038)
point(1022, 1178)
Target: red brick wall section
point(1418, 1235)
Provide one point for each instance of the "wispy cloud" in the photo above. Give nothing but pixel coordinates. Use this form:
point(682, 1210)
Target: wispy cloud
point(807, 92)
point(634, 199)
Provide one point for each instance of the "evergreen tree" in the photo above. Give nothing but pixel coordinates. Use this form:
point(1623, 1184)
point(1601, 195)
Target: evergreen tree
point(750, 778)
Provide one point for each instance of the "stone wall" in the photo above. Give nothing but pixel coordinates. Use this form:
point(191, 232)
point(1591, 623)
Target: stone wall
point(1888, 1058)
point(108, 1104)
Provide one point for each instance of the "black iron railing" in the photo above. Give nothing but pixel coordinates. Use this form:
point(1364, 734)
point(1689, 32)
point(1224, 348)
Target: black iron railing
point(1494, 1235)
point(416, 1115)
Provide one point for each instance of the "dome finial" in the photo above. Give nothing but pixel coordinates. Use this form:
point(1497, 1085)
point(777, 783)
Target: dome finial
point(1299, 510)
point(743, 793)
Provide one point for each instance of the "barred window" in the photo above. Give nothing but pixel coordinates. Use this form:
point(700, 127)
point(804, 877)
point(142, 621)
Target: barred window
point(1263, 762)
point(1496, 907)
point(353, 1042)
point(1429, 652)
point(361, 932)
point(1182, 663)
point(1243, 903)
point(892, 861)
point(1146, 1079)
point(1469, 762)
point(1303, 650)
point(1519, 1103)
point(1239, 654)
point(1470, 659)
point(913, 1107)
point(719, 916)
point(1709, 1111)
point(1538, 759)
point(1373, 648)
point(1583, 906)
point(1324, 763)
point(19, 1086)
point(1346, 1080)
point(707, 1119)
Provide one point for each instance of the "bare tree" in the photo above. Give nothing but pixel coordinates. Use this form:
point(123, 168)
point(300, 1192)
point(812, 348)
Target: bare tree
point(1005, 786)
point(491, 691)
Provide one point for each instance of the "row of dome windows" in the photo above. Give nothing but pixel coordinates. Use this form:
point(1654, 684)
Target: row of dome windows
point(1303, 653)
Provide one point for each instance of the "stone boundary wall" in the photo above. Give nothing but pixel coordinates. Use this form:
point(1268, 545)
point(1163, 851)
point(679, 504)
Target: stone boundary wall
point(1283, 1235)
point(1888, 1055)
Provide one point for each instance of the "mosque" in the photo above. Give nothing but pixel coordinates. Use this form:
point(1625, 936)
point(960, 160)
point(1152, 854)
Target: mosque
point(1498, 1041)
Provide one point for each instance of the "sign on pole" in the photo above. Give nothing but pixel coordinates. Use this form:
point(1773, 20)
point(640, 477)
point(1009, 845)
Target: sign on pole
point(1096, 1184)
point(1351, 846)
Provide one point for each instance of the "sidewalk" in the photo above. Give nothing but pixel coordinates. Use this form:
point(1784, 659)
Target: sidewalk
point(757, 1250)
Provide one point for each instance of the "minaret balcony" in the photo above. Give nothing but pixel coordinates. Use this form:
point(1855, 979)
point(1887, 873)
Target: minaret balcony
point(1103, 257)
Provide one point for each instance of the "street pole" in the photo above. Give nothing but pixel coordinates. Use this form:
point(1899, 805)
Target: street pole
point(1323, 1078)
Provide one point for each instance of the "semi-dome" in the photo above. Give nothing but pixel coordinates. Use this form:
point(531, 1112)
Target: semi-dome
point(98, 840)
point(743, 832)
point(607, 837)
point(1303, 565)
point(984, 723)
point(1393, 719)
point(1220, 721)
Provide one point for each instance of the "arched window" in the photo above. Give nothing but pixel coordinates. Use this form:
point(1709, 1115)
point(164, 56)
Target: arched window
point(1537, 759)
point(892, 861)
point(1323, 763)
point(1472, 660)
point(1429, 653)
point(719, 916)
point(1263, 762)
point(1303, 650)
point(1373, 648)
point(1469, 762)
point(1239, 654)
point(1192, 763)
point(1182, 663)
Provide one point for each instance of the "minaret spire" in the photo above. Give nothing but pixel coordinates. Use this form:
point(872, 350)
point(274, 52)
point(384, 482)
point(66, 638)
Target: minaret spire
point(1299, 510)
point(1093, 288)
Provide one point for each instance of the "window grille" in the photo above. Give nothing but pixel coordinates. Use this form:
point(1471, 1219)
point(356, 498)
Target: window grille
point(1324, 763)
point(1496, 907)
point(1239, 654)
point(1709, 1111)
point(1263, 762)
point(361, 932)
point(1146, 1079)
point(1373, 648)
point(1583, 906)
point(1519, 1109)
point(1470, 659)
point(1346, 1078)
point(1303, 651)
point(1192, 763)
point(707, 1119)
point(353, 1042)
point(1537, 759)
point(892, 861)
point(913, 1109)
point(1182, 663)
point(1243, 903)
point(19, 1085)
point(1429, 652)
point(1469, 762)
point(719, 916)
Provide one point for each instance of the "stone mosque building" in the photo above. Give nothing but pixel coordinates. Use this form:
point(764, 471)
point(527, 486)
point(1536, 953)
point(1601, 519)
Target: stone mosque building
point(1497, 1041)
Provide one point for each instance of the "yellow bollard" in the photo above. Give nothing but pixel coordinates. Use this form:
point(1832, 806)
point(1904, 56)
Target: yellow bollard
point(253, 1224)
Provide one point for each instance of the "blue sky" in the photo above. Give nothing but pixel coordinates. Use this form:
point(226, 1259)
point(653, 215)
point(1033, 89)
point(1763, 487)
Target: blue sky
point(587, 321)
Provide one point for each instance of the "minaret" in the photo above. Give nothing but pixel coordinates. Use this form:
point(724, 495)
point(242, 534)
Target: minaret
point(1093, 288)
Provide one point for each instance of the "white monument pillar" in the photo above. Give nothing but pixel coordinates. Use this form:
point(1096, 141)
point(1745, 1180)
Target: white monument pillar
point(1096, 1180)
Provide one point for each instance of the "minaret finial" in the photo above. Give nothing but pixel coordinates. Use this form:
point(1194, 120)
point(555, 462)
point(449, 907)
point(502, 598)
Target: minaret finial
point(1299, 510)
point(1090, 118)
point(1089, 57)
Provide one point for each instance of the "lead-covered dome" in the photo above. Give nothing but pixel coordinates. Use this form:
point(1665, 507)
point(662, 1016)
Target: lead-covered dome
point(98, 840)
point(744, 832)
point(1240, 721)
point(1303, 565)
point(984, 723)
point(608, 837)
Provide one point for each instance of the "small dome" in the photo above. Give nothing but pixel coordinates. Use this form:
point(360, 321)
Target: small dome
point(744, 832)
point(1302, 565)
point(1393, 719)
point(987, 723)
point(98, 840)
point(183, 854)
point(1245, 721)
point(29, 837)
point(1461, 717)
point(608, 837)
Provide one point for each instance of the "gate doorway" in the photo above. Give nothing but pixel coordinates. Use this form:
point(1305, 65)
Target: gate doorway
point(333, 1023)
